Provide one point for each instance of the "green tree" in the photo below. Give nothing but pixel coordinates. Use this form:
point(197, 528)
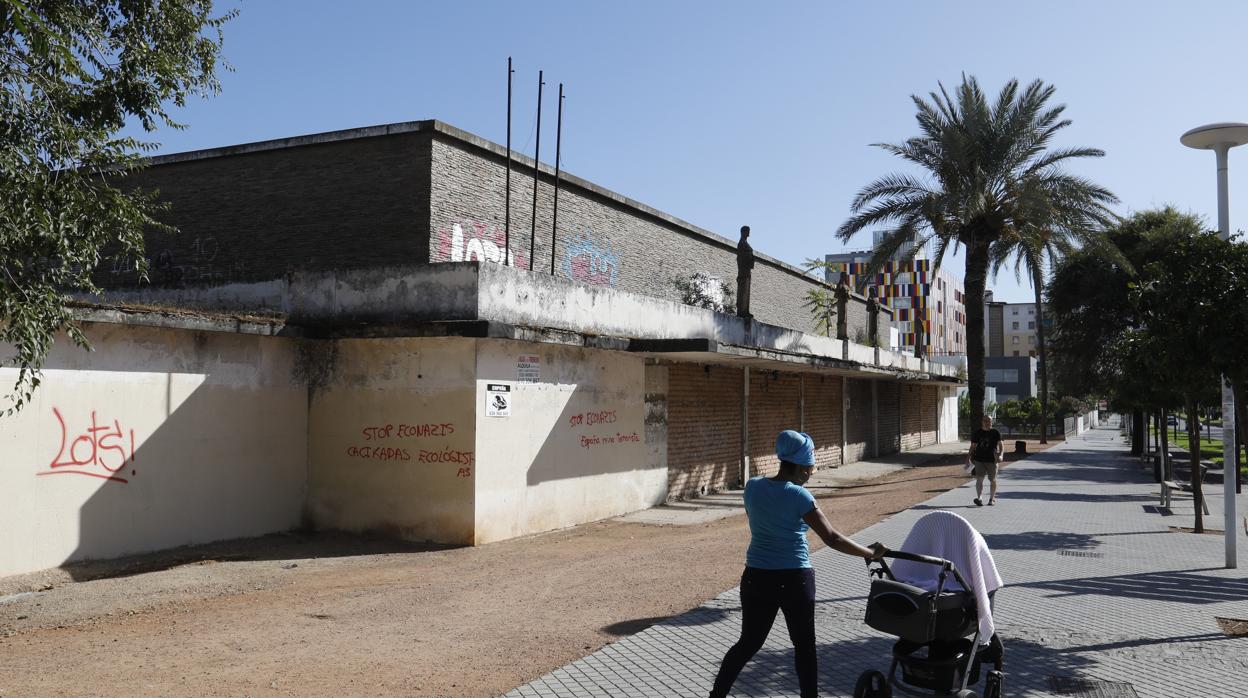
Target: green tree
point(1183, 300)
point(72, 74)
point(1046, 235)
point(988, 168)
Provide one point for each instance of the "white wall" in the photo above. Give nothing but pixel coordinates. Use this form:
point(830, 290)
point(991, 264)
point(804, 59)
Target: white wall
point(158, 438)
point(574, 447)
point(391, 438)
point(947, 414)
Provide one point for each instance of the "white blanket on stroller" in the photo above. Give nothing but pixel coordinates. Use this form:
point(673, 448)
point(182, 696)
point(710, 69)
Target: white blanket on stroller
point(946, 535)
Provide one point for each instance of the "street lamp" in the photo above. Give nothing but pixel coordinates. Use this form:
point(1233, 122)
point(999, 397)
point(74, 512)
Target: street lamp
point(1220, 138)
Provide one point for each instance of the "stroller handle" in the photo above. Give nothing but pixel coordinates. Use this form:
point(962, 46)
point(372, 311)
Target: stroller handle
point(914, 557)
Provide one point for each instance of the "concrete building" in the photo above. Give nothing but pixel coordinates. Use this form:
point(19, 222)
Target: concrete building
point(1010, 328)
point(916, 292)
point(1013, 377)
point(339, 340)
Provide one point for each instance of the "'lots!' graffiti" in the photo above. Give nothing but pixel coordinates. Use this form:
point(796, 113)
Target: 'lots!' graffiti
point(104, 451)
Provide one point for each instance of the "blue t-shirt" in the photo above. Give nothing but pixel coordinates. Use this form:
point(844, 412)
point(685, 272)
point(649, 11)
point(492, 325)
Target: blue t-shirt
point(777, 532)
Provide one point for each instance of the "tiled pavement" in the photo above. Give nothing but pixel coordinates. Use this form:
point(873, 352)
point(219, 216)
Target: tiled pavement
point(1101, 598)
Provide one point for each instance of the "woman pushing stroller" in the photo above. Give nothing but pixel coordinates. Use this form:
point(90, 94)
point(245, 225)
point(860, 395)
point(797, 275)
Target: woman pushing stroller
point(778, 575)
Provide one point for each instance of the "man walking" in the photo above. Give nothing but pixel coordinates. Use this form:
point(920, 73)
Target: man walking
point(986, 452)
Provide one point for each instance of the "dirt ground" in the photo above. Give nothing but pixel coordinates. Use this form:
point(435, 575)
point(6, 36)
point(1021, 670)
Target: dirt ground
point(330, 615)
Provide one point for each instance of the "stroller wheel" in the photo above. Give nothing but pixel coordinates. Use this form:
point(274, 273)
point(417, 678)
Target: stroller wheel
point(872, 684)
point(993, 685)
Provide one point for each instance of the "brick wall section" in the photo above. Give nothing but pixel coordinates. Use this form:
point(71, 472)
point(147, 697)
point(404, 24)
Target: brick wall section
point(256, 215)
point(928, 409)
point(774, 406)
point(703, 429)
point(822, 418)
point(911, 416)
point(889, 413)
point(858, 429)
point(600, 240)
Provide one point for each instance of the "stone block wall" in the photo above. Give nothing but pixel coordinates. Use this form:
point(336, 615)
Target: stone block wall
point(251, 213)
point(428, 192)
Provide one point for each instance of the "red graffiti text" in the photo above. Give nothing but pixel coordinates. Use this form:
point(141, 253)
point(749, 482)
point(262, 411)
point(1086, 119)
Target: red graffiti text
point(378, 453)
point(407, 431)
point(97, 451)
point(589, 419)
point(447, 455)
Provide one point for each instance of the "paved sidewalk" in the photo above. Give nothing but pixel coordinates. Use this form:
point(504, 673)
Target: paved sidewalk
point(721, 505)
point(1102, 598)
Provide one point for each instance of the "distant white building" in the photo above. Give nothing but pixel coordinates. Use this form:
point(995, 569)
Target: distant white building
point(1010, 328)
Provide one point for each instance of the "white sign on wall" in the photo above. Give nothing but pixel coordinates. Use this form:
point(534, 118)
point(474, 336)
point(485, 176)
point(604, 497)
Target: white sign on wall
point(529, 368)
point(497, 400)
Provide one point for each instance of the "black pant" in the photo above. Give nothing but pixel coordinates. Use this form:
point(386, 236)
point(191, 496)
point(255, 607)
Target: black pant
point(763, 592)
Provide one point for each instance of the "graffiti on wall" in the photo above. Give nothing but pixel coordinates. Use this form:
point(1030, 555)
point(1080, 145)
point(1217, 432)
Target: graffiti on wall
point(198, 265)
point(582, 420)
point(588, 261)
point(477, 241)
point(101, 451)
point(404, 442)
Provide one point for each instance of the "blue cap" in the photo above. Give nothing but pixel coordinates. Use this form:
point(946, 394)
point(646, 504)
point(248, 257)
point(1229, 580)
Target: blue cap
point(796, 447)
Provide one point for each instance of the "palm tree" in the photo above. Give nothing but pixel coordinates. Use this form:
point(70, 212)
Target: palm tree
point(987, 169)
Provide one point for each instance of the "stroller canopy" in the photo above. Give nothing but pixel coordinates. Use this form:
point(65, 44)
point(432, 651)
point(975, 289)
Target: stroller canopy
point(946, 535)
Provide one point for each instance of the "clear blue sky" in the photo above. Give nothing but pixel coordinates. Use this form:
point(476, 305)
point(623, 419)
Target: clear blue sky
point(731, 113)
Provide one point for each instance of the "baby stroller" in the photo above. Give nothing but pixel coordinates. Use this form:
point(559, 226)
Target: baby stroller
point(926, 601)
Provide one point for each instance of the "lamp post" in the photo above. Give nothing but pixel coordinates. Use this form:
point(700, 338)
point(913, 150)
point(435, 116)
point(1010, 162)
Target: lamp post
point(1220, 138)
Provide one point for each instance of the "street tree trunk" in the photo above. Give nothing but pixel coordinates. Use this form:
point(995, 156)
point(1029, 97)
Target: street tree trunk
point(1163, 448)
point(1193, 450)
point(1241, 426)
point(976, 279)
point(1139, 432)
point(1037, 281)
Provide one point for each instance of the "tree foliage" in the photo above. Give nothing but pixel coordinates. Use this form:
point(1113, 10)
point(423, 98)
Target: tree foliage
point(987, 172)
point(706, 291)
point(1159, 339)
point(72, 74)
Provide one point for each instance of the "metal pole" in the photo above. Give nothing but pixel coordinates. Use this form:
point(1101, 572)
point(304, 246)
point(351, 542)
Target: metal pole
point(745, 427)
point(507, 204)
point(537, 166)
point(554, 225)
point(1230, 472)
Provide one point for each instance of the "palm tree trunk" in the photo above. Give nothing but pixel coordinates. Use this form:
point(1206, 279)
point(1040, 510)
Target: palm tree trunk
point(1193, 450)
point(1037, 281)
point(976, 279)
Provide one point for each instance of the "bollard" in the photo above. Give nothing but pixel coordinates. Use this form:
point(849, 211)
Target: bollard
point(1020, 447)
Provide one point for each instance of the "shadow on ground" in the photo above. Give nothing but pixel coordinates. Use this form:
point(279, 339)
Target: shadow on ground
point(1181, 587)
point(1028, 666)
point(278, 546)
